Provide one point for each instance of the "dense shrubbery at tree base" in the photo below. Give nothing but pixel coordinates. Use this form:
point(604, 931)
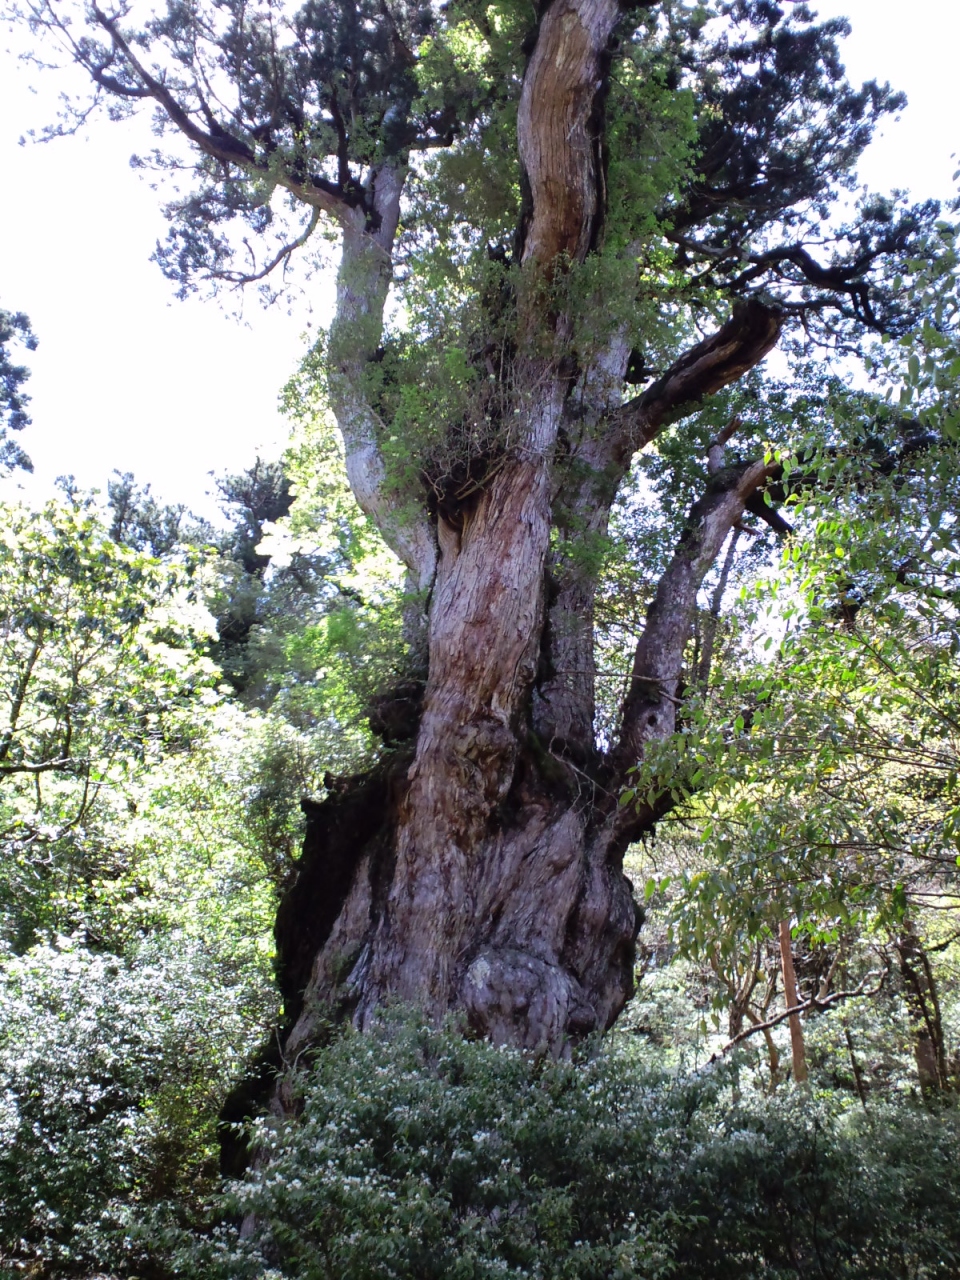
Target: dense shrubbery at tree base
point(422, 1156)
point(113, 1068)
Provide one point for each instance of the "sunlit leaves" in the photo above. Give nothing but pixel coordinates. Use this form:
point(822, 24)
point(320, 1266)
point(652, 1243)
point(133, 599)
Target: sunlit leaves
point(112, 1069)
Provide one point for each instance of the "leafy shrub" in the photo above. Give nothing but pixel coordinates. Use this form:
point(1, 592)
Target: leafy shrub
point(112, 1072)
point(420, 1156)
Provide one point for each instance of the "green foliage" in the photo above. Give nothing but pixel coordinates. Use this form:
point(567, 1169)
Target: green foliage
point(654, 135)
point(112, 1070)
point(818, 771)
point(101, 655)
point(141, 851)
point(337, 660)
point(142, 523)
point(467, 194)
point(420, 1154)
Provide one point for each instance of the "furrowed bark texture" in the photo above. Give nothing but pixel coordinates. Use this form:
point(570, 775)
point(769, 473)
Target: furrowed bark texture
point(479, 870)
point(559, 133)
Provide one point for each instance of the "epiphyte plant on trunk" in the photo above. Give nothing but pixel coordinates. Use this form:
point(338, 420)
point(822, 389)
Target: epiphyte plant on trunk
point(594, 217)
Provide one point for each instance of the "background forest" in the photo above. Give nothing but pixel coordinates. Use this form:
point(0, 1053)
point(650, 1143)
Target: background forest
point(176, 695)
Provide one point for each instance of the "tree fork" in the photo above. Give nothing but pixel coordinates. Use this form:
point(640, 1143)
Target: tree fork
point(428, 879)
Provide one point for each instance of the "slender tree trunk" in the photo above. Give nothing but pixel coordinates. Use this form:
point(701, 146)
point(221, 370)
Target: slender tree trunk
point(712, 622)
point(923, 1001)
point(19, 694)
point(773, 1056)
point(792, 998)
point(855, 1065)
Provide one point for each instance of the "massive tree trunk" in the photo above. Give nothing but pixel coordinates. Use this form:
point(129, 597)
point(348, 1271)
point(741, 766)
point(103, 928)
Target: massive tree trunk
point(480, 869)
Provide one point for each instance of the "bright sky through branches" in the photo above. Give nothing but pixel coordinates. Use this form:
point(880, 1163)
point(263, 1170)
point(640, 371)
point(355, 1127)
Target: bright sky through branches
point(127, 377)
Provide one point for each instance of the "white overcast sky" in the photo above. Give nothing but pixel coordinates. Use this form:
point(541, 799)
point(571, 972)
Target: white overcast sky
point(128, 377)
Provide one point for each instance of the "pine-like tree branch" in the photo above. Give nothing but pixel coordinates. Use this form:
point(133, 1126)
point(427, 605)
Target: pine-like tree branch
point(736, 348)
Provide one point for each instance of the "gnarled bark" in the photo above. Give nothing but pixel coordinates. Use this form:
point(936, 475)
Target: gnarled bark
point(479, 868)
point(559, 131)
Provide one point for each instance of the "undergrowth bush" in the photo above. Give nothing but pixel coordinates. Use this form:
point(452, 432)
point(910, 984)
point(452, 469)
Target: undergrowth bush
point(421, 1156)
point(112, 1072)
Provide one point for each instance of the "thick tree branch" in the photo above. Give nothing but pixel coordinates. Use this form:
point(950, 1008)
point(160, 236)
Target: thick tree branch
point(564, 699)
point(217, 142)
point(362, 287)
point(736, 348)
point(363, 282)
point(241, 278)
point(559, 130)
point(839, 275)
point(607, 441)
point(42, 766)
point(649, 711)
point(6, 741)
point(842, 285)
